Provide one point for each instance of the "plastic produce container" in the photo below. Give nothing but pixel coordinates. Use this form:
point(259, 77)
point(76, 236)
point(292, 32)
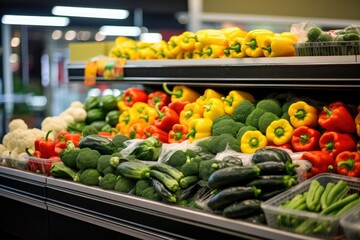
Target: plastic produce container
point(18, 163)
point(351, 224)
point(289, 220)
point(328, 48)
point(41, 165)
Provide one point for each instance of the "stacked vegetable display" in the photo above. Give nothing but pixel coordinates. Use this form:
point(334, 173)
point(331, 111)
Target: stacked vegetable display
point(223, 153)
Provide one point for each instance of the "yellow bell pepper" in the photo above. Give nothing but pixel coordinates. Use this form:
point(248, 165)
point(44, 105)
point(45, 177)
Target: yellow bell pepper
point(357, 122)
point(148, 115)
point(254, 42)
point(252, 141)
point(139, 107)
point(234, 98)
point(212, 51)
point(233, 32)
point(147, 53)
point(122, 106)
point(236, 49)
point(173, 49)
point(279, 132)
point(182, 93)
point(124, 42)
point(199, 128)
point(214, 108)
point(278, 47)
point(187, 41)
point(289, 35)
point(128, 53)
point(191, 111)
point(159, 49)
point(208, 94)
point(126, 119)
point(211, 37)
point(303, 114)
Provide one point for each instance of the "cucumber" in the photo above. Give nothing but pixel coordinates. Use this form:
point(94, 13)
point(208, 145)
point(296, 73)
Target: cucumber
point(134, 170)
point(173, 172)
point(188, 181)
point(162, 191)
point(231, 176)
point(168, 181)
point(243, 209)
point(230, 195)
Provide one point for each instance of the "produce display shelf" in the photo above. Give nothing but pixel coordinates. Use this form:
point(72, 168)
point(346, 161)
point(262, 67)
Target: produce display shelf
point(282, 72)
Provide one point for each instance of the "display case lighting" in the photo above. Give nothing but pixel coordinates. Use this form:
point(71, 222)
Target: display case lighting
point(90, 12)
point(35, 20)
point(120, 31)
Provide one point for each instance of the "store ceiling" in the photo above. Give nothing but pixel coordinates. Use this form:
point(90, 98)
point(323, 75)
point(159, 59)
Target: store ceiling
point(156, 13)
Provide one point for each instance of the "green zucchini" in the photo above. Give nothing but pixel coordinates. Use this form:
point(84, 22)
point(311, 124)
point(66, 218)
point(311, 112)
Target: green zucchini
point(102, 144)
point(230, 195)
point(173, 172)
point(231, 176)
point(134, 170)
point(163, 191)
point(95, 114)
point(243, 209)
point(188, 181)
point(168, 181)
point(273, 182)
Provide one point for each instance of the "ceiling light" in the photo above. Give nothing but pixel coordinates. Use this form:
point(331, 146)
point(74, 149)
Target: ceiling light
point(120, 31)
point(90, 12)
point(35, 20)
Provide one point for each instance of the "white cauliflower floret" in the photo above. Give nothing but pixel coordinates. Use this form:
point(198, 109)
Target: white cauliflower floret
point(27, 139)
point(67, 117)
point(56, 124)
point(79, 114)
point(17, 124)
point(10, 139)
point(76, 104)
point(38, 132)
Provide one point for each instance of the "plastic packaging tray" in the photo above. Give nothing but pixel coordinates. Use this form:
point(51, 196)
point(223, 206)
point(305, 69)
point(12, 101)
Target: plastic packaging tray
point(18, 163)
point(351, 224)
point(338, 48)
point(273, 210)
point(41, 165)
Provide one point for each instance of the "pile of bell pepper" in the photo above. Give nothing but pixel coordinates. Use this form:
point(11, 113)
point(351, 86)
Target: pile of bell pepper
point(230, 42)
point(46, 150)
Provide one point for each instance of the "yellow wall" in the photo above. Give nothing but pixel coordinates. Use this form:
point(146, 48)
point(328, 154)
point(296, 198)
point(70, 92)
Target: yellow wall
point(338, 9)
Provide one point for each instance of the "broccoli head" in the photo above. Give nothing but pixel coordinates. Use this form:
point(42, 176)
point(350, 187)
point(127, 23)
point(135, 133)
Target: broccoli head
point(218, 144)
point(226, 125)
point(90, 177)
point(69, 154)
point(191, 167)
point(119, 140)
point(177, 159)
point(108, 181)
point(87, 158)
point(151, 193)
point(141, 185)
point(89, 130)
point(104, 165)
point(206, 168)
point(124, 184)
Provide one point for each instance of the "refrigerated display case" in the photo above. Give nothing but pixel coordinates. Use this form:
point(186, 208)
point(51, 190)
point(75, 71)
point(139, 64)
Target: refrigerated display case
point(67, 206)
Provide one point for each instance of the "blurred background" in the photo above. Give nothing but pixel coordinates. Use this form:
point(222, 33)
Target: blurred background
point(33, 74)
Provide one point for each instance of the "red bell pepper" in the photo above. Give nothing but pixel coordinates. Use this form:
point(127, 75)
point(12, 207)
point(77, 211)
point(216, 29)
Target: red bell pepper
point(166, 118)
point(305, 138)
point(158, 97)
point(47, 146)
point(178, 105)
point(321, 162)
point(358, 146)
point(133, 95)
point(348, 163)
point(46, 166)
point(154, 131)
point(335, 143)
point(337, 117)
point(178, 133)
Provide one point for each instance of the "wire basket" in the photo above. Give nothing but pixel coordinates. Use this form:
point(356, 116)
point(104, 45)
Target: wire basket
point(338, 48)
point(291, 220)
